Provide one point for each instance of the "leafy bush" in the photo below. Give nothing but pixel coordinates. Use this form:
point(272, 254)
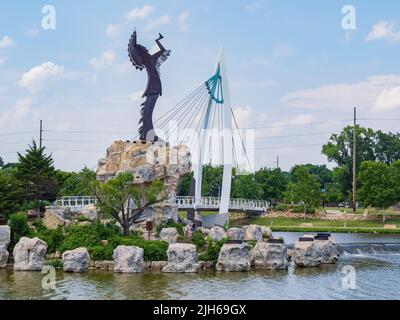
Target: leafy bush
point(82, 218)
point(18, 223)
point(300, 209)
point(88, 235)
point(154, 250)
point(198, 239)
point(101, 252)
point(53, 238)
point(171, 224)
point(56, 263)
point(213, 249)
point(282, 207)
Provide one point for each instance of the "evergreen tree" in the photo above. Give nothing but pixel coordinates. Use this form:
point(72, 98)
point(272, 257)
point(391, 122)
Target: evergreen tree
point(37, 176)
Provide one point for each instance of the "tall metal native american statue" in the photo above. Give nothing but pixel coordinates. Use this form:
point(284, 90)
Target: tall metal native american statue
point(141, 58)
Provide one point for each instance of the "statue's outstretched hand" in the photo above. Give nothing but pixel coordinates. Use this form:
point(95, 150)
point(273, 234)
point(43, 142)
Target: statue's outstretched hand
point(160, 36)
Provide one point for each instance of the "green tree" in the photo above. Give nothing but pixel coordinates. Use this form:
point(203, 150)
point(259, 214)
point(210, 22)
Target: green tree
point(1, 163)
point(126, 201)
point(339, 149)
point(76, 183)
point(212, 181)
point(387, 147)
point(37, 176)
point(10, 193)
point(273, 183)
point(377, 184)
point(306, 190)
point(246, 186)
point(323, 174)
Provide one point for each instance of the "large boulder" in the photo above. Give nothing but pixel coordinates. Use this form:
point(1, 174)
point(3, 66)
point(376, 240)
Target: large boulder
point(169, 234)
point(253, 232)
point(76, 260)
point(266, 231)
point(128, 259)
point(307, 254)
point(234, 257)
point(235, 234)
point(269, 256)
point(3, 255)
point(148, 162)
point(217, 233)
point(204, 231)
point(5, 235)
point(329, 248)
point(182, 257)
point(54, 218)
point(29, 254)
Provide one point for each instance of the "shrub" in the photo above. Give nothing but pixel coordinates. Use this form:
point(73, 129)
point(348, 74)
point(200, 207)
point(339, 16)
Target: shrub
point(213, 249)
point(53, 238)
point(101, 252)
point(18, 223)
point(198, 239)
point(300, 209)
point(56, 263)
point(154, 250)
point(282, 207)
point(82, 218)
point(171, 224)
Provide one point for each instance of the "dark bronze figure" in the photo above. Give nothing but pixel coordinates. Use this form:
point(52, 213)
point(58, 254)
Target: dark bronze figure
point(141, 58)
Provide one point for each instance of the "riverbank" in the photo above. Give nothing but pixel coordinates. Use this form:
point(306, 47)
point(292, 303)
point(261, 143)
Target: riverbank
point(319, 225)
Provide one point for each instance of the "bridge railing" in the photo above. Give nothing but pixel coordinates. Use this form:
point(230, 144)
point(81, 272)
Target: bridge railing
point(185, 201)
point(77, 201)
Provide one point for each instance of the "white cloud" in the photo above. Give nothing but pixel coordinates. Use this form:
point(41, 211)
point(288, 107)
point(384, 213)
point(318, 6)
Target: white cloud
point(124, 67)
point(22, 109)
point(254, 6)
point(283, 50)
point(243, 116)
point(139, 13)
point(279, 126)
point(182, 21)
point(37, 76)
point(136, 96)
point(384, 30)
point(156, 23)
point(6, 41)
point(106, 59)
point(32, 32)
point(388, 100)
point(2, 60)
point(113, 30)
point(377, 93)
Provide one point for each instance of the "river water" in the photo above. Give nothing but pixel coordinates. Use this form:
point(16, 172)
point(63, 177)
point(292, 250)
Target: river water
point(377, 276)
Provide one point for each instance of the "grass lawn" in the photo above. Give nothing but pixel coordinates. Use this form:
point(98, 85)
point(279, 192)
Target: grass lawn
point(371, 211)
point(183, 214)
point(288, 224)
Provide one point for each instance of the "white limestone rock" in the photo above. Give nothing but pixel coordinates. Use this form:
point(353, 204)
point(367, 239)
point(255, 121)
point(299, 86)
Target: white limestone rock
point(266, 231)
point(128, 259)
point(330, 251)
point(217, 233)
point(5, 235)
point(307, 254)
point(169, 234)
point(253, 232)
point(272, 256)
point(29, 254)
point(3, 255)
point(235, 234)
point(76, 260)
point(182, 257)
point(234, 257)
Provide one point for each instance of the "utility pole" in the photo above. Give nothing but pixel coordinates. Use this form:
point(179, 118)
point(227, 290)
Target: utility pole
point(354, 159)
point(277, 162)
point(41, 134)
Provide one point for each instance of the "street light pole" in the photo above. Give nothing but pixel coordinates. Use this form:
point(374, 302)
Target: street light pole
point(354, 159)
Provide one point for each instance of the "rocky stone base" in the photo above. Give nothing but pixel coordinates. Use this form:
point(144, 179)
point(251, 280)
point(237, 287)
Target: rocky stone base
point(128, 259)
point(76, 260)
point(182, 257)
point(269, 256)
point(234, 257)
point(307, 254)
point(3, 256)
point(29, 254)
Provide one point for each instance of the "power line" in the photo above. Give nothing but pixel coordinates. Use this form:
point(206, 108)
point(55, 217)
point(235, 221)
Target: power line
point(297, 125)
point(16, 133)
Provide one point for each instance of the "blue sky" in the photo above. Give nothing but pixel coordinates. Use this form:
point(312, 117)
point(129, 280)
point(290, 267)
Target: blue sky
point(290, 64)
